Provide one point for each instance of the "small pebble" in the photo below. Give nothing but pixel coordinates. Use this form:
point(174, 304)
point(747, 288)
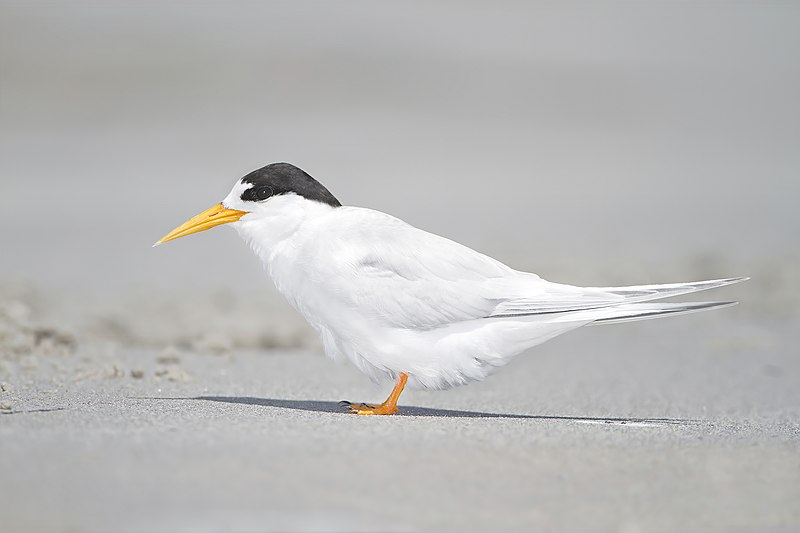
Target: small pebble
point(169, 356)
point(137, 374)
point(173, 373)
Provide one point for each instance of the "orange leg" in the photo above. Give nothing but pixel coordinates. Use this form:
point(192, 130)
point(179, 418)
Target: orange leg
point(389, 407)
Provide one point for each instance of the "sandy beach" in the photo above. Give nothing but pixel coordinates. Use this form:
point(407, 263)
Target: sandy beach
point(597, 144)
point(685, 423)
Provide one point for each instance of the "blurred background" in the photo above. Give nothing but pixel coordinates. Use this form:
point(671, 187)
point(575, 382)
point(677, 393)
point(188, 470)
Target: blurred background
point(593, 143)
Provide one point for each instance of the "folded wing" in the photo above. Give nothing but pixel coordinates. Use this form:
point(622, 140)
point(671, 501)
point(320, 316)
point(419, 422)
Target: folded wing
point(408, 278)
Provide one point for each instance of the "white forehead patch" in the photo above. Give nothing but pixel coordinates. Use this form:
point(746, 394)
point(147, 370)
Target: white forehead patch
point(234, 198)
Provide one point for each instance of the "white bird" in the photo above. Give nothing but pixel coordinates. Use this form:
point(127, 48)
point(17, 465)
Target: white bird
point(403, 304)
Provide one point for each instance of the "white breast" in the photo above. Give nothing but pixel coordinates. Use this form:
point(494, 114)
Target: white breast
point(392, 298)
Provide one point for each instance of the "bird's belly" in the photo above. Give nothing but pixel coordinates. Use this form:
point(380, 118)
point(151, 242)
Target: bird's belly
point(437, 358)
point(434, 358)
point(344, 333)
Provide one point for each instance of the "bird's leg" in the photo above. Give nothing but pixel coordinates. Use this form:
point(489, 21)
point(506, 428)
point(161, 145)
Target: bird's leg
point(389, 407)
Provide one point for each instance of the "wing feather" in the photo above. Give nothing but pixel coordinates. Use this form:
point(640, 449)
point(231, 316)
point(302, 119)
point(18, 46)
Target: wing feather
point(384, 269)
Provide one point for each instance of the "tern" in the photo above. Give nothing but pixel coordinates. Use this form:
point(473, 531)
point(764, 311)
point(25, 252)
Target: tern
point(405, 305)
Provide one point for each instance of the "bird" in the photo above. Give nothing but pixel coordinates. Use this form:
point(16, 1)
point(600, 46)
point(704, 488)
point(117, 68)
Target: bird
point(402, 304)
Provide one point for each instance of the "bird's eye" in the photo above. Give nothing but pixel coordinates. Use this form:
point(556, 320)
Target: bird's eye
point(263, 192)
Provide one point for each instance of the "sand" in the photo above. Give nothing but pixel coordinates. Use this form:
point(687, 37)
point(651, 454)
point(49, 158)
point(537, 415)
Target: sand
point(170, 389)
point(685, 423)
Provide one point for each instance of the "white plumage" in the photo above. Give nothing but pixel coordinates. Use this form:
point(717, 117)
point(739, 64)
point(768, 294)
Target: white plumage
point(403, 304)
point(392, 298)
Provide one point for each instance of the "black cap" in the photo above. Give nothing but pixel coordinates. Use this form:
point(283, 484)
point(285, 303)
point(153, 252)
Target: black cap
point(284, 178)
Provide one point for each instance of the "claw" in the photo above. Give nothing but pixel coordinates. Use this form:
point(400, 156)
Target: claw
point(389, 407)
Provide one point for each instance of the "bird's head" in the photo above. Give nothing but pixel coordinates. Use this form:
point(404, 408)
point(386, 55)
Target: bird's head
point(268, 192)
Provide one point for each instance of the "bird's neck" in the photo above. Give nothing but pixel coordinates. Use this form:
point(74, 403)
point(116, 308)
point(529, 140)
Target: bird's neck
point(264, 232)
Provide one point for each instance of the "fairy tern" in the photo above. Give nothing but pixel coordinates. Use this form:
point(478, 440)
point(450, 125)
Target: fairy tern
point(403, 304)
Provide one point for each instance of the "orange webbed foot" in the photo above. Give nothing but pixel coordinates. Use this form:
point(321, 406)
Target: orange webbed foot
point(368, 409)
point(389, 407)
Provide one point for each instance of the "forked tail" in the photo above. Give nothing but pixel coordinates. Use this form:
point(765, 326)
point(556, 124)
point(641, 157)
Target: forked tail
point(632, 312)
point(641, 304)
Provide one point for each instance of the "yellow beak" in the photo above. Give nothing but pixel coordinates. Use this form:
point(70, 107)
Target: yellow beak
point(209, 218)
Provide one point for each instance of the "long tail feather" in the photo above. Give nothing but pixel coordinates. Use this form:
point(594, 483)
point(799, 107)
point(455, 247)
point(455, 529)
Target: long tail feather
point(632, 312)
point(667, 290)
point(604, 297)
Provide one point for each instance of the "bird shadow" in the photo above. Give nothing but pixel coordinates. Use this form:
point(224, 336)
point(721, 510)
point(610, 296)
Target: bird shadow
point(29, 411)
point(318, 406)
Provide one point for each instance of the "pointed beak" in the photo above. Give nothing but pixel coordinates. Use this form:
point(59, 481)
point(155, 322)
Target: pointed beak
point(209, 218)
